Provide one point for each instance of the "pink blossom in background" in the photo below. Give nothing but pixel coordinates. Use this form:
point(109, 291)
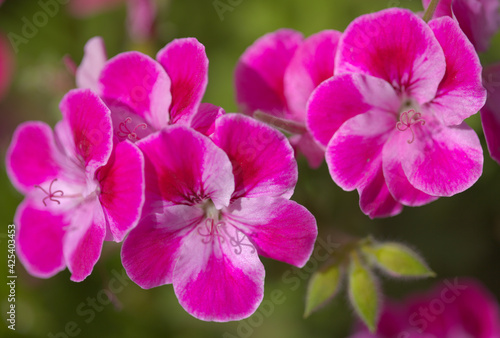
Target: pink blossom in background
point(455, 308)
point(277, 74)
point(141, 14)
point(6, 65)
point(79, 188)
point(490, 113)
point(213, 206)
point(391, 118)
point(146, 95)
point(479, 19)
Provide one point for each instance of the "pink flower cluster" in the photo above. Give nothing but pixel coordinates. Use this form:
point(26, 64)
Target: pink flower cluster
point(198, 193)
point(386, 105)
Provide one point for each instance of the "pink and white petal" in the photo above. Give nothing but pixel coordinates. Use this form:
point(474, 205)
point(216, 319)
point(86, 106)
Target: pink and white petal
point(39, 240)
point(397, 182)
point(490, 114)
point(479, 19)
point(355, 150)
point(262, 158)
point(306, 144)
point(344, 96)
point(140, 83)
point(151, 250)
point(186, 63)
point(122, 189)
point(311, 64)
point(260, 72)
point(94, 58)
point(375, 199)
point(84, 239)
point(204, 120)
point(443, 161)
point(186, 167)
point(141, 17)
point(280, 229)
point(31, 158)
point(88, 120)
point(215, 282)
point(410, 59)
point(460, 93)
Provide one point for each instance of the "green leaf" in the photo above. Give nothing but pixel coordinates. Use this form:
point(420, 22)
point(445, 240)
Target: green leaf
point(322, 287)
point(398, 261)
point(363, 293)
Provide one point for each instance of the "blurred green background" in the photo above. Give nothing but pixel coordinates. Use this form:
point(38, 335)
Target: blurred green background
point(458, 236)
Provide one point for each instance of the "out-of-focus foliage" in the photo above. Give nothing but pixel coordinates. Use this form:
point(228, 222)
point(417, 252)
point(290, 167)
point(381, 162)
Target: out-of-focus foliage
point(457, 236)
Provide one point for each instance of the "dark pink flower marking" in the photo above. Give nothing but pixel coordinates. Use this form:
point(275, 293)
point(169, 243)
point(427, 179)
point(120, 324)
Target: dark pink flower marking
point(408, 119)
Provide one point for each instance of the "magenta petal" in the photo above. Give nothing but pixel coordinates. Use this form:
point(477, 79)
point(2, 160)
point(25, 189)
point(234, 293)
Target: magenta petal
point(460, 93)
point(39, 240)
point(215, 282)
point(479, 19)
point(344, 96)
point(150, 251)
point(355, 150)
point(94, 58)
point(260, 72)
point(444, 161)
point(186, 167)
point(88, 121)
point(281, 229)
point(262, 158)
point(443, 8)
point(140, 83)
point(490, 114)
point(122, 189)
point(186, 63)
point(31, 157)
point(396, 179)
point(410, 59)
point(84, 239)
point(311, 64)
point(375, 199)
point(204, 120)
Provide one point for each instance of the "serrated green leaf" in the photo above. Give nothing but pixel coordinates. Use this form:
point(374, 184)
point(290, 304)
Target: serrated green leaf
point(363, 293)
point(322, 287)
point(399, 261)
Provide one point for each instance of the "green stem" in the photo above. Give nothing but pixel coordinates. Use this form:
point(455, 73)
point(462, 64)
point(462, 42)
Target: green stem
point(429, 12)
point(288, 126)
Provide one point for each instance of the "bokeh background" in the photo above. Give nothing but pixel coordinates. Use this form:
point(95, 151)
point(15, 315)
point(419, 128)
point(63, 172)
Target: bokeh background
point(458, 236)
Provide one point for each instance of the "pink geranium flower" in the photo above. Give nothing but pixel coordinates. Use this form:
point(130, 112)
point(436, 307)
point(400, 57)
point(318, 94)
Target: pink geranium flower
point(479, 19)
point(214, 206)
point(490, 113)
point(145, 95)
point(80, 189)
point(277, 74)
point(455, 308)
point(392, 116)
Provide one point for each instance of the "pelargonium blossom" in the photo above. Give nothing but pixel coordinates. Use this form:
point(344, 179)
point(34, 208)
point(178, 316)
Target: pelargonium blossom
point(146, 95)
point(455, 308)
point(479, 19)
point(79, 188)
point(214, 205)
point(490, 113)
point(392, 116)
point(277, 74)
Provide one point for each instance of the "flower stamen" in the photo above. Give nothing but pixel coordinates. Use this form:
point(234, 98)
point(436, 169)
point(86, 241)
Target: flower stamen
point(407, 120)
point(124, 131)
